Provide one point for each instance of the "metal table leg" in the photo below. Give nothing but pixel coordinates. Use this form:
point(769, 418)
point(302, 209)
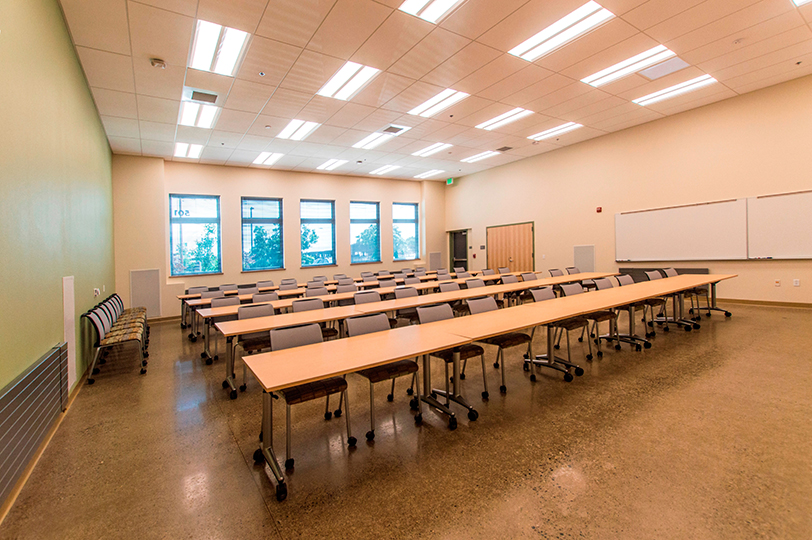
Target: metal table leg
point(550, 360)
point(455, 394)
point(681, 317)
point(714, 307)
point(229, 380)
point(265, 452)
point(206, 336)
point(426, 396)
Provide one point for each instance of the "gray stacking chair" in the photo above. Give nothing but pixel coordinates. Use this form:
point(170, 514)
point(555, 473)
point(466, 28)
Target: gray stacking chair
point(663, 317)
point(370, 277)
point(503, 270)
point(319, 278)
point(313, 284)
point(463, 275)
point(632, 338)
point(458, 269)
point(555, 272)
point(264, 297)
point(411, 281)
point(409, 314)
point(339, 277)
point(309, 304)
point(368, 324)
point(693, 295)
point(549, 359)
point(383, 273)
point(187, 321)
point(346, 281)
point(228, 287)
point(365, 297)
point(473, 283)
point(488, 272)
point(458, 306)
point(251, 343)
point(215, 303)
point(288, 284)
point(587, 283)
point(316, 291)
point(264, 284)
point(597, 317)
point(213, 294)
point(512, 297)
point(249, 290)
point(345, 288)
point(297, 336)
point(571, 289)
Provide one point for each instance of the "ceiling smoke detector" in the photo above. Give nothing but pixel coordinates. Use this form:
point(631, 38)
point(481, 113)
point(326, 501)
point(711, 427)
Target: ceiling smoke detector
point(157, 63)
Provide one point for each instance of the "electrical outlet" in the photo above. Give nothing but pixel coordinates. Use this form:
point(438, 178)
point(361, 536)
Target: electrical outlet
point(544, 256)
point(796, 282)
point(104, 288)
point(96, 292)
point(777, 282)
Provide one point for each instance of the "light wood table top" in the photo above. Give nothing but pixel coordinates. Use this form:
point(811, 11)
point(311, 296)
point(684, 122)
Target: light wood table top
point(264, 324)
point(204, 302)
point(299, 365)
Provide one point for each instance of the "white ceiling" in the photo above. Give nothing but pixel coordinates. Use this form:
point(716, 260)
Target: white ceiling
point(300, 44)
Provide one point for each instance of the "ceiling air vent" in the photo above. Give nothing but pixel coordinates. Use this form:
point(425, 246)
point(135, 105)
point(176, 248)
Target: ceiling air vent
point(204, 97)
point(504, 149)
point(395, 130)
point(665, 68)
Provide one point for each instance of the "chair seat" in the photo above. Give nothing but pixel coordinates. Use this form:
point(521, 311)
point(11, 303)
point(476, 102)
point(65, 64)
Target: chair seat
point(571, 324)
point(508, 340)
point(466, 352)
point(461, 309)
point(120, 338)
point(389, 371)
point(255, 344)
point(328, 333)
point(314, 390)
point(654, 301)
point(393, 323)
point(601, 316)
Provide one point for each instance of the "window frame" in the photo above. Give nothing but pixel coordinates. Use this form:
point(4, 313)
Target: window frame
point(181, 220)
point(304, 221)
point(415, 221)
point(263, 221)
point(376, 221)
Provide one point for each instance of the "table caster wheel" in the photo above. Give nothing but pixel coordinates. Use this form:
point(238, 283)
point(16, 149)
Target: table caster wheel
point(91, 381)
point(95, 371)
point(533, 378)
point(216, 357)
point(370, 435)
point(600, 354)
point(526, 366)
point(556, 347)
point(579, 371)
point(209, 361)
point(259, 458)
point(337, 413)
point(638, 348)
point(503, 389)
point(260, 436)
point(496, 365)
point(647, 345)
point(473, 415)
point(688, 328)
point(418, 419)
point(617, 347)
point(288, 464)
point(589, 357)
point(580, 340)
point(328, 415)
point(281, 492)
point(697, 327)
point(102, 361)
point(390, 397)
point(143, 371)
point(462, 376)
point(351, 442)
point(452, 423)
point(192, 338)
point(650, 324)
point(568, 377)
point(409, 391)
point(666, 329)
point(243, 388)
point(233, 394)
point(485, 395)
point(728, 314)
point(413, 404)
point(225, 385)
point(203, 354)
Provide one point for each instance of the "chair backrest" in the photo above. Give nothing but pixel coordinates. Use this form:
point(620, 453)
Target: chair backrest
point(346, 281)
point(339, 277)
point(228, 287)
point(488, 272)
point(448, 287)
point(264, 297)
point(625, 279)
point(289, 280)
point(311, 284)
point(405, 270)
point(370, 277)
point(653, 274)
point(419, 272)
point(510, 278)
point(482, 304)
point(540, 295)
point(444, 277)
point(474, 283)
point(437, 312)
point(367, 324)
point(442, 270)
point(555, 272)
point(264, 284)
point(197, 290)
point(603, 283)
point(288, 286)
point(463, 274)
point(458, 269)
point(212, 294)
point(405, 292)
point(249, 290)
point(529, 276)
point(364, 274)
point(503, 270)
point(420, 269)
point(346, 287)
point(365, 297)
point(572, 270)
point(295, 336)
point(387, 283)
point(569, 289)
point(307, 304)
point(384, 273)
point(316, 291)
point(251, 312)
point(225, 301)
point(411, 280)
point(319, 278)
point(670, 272)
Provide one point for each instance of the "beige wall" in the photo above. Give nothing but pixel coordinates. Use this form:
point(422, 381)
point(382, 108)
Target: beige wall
point(141, 188)
point(754, 144)
point(56, 203)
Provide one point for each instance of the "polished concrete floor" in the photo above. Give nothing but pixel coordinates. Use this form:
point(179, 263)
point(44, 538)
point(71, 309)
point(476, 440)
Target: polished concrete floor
point(706, 435)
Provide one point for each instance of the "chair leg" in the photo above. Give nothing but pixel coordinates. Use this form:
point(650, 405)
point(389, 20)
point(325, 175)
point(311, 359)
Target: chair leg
point(327, 413)
point(371, 432)
point(350, 439)
point(90, 379)
point(447, 389)
point(337, 412)
point(501, 356)
point(391, 396)
point(288, 458)
point(589, 342)
point(484, 377)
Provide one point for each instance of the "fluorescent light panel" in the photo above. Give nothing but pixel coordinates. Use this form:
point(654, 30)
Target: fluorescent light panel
point(267, 158)
point(197, 115)
point(217, 48)
point(480, 157)
point(677, 89)
point(561, 32)
point(331, 164)
point(800, 2)
point(348, 81)
point(433, 149)
point(553, 132)
point(385, 169)
point(429, 173)
point(631, 65)
point(502, 119)
point(297, 130)
point(443, 100)
point(371, 141)
point(428, 10)
point(186, 150)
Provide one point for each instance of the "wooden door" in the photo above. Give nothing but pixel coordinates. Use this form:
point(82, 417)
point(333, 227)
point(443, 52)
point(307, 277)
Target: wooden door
point(511, 246)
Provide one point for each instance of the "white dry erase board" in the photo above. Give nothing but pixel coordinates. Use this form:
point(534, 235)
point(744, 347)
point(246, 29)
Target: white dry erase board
point(697, 232)
point(780, 226)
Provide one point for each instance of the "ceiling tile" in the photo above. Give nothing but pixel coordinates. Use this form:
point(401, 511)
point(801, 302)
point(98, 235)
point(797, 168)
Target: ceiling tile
point(98, 24)
point(609, 56)
point(381, 89)
point(349, 115)
point(273, 58)
point(466, 107)
point(520, 80)
point(107, 70)
point(348, 25)
point(593, 108)
point(399, 33)
point(611, 33)
point(624, 108)
point(526, 21)
point(158, 109)
point(114, 103)
point(662, 83)
point(165, 83)
point(157, 148)
point(786, 54)
point(588, 100)
point(157, 132)
point(561, 95)
point(619, 7)
point(286, 103)
point(378, 120)
point(254, 143)
point(225, 139)
point(781, 62)
point(242, 158)
point(744, 55)
point(773, 75)
point(156, 33)
point(240, 14)
point(122, 145)
point(627, 120)
point(184, 7)
point(320, 109)
point(267, 126)
point(703, 96)
point(462, 64)
point(218, 153)
point(413, 96)
point(293, 21)
point(325, 134)
point(311, 71)
point(656, 11)
point(432, 51)
point(698, 16)
point(248, 96)
point(192, 135)
point(538, 90)
point(497, 70)
point(235, 121)
point(209, 82)
point(120, 127)
point(475, 17)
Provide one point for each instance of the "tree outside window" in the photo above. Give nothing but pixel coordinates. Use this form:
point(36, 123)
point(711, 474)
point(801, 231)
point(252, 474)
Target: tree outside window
point(194, 234)
point(318, 232)
point(262, 244)
point(365, 236)
point(405, 232)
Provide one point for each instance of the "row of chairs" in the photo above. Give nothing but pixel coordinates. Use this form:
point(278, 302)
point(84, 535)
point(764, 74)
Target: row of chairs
point(115, 326)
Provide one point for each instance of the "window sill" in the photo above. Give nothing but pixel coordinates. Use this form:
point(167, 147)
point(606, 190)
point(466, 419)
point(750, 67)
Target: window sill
point(264, 270)
point(180, 276)
point(406, 260)
point(363, 263)
point(317, 266)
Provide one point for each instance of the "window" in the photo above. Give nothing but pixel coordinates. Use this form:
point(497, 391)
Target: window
point(318, 232)
point(194, 234)
point(365, 232)
point(262, 245)
point(404, 231)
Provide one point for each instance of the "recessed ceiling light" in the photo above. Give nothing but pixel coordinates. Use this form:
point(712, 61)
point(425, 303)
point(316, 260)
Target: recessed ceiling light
point(677, 89)
point(480, 157)
point(267, 158)
point(502, 119)
point(554, 132)
point(217, 48)
point(298, 130)
point(331, 164)
point(561, 32)
point(428, 10)
point(800, 2)
point(348, 81)
point(186, 150)
point(385, 169)
point(197, 115)
point(433, 149)
point(443, 100)
point(631, 65)
point(371, 141)
point(429, 173)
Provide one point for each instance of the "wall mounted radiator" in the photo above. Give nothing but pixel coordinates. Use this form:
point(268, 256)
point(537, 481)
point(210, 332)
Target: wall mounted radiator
point(28, 407)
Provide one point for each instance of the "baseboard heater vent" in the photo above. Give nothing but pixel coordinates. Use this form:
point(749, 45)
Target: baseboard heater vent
point(28, 407)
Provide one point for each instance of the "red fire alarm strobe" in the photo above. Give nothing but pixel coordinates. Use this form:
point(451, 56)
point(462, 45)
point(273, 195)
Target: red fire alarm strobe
point(600, 209)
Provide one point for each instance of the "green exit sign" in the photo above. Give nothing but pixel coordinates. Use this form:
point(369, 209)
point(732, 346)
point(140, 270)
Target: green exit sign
point(449, 181)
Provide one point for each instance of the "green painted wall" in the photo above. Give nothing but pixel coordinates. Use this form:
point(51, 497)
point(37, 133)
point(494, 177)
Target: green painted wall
point(55, 185)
